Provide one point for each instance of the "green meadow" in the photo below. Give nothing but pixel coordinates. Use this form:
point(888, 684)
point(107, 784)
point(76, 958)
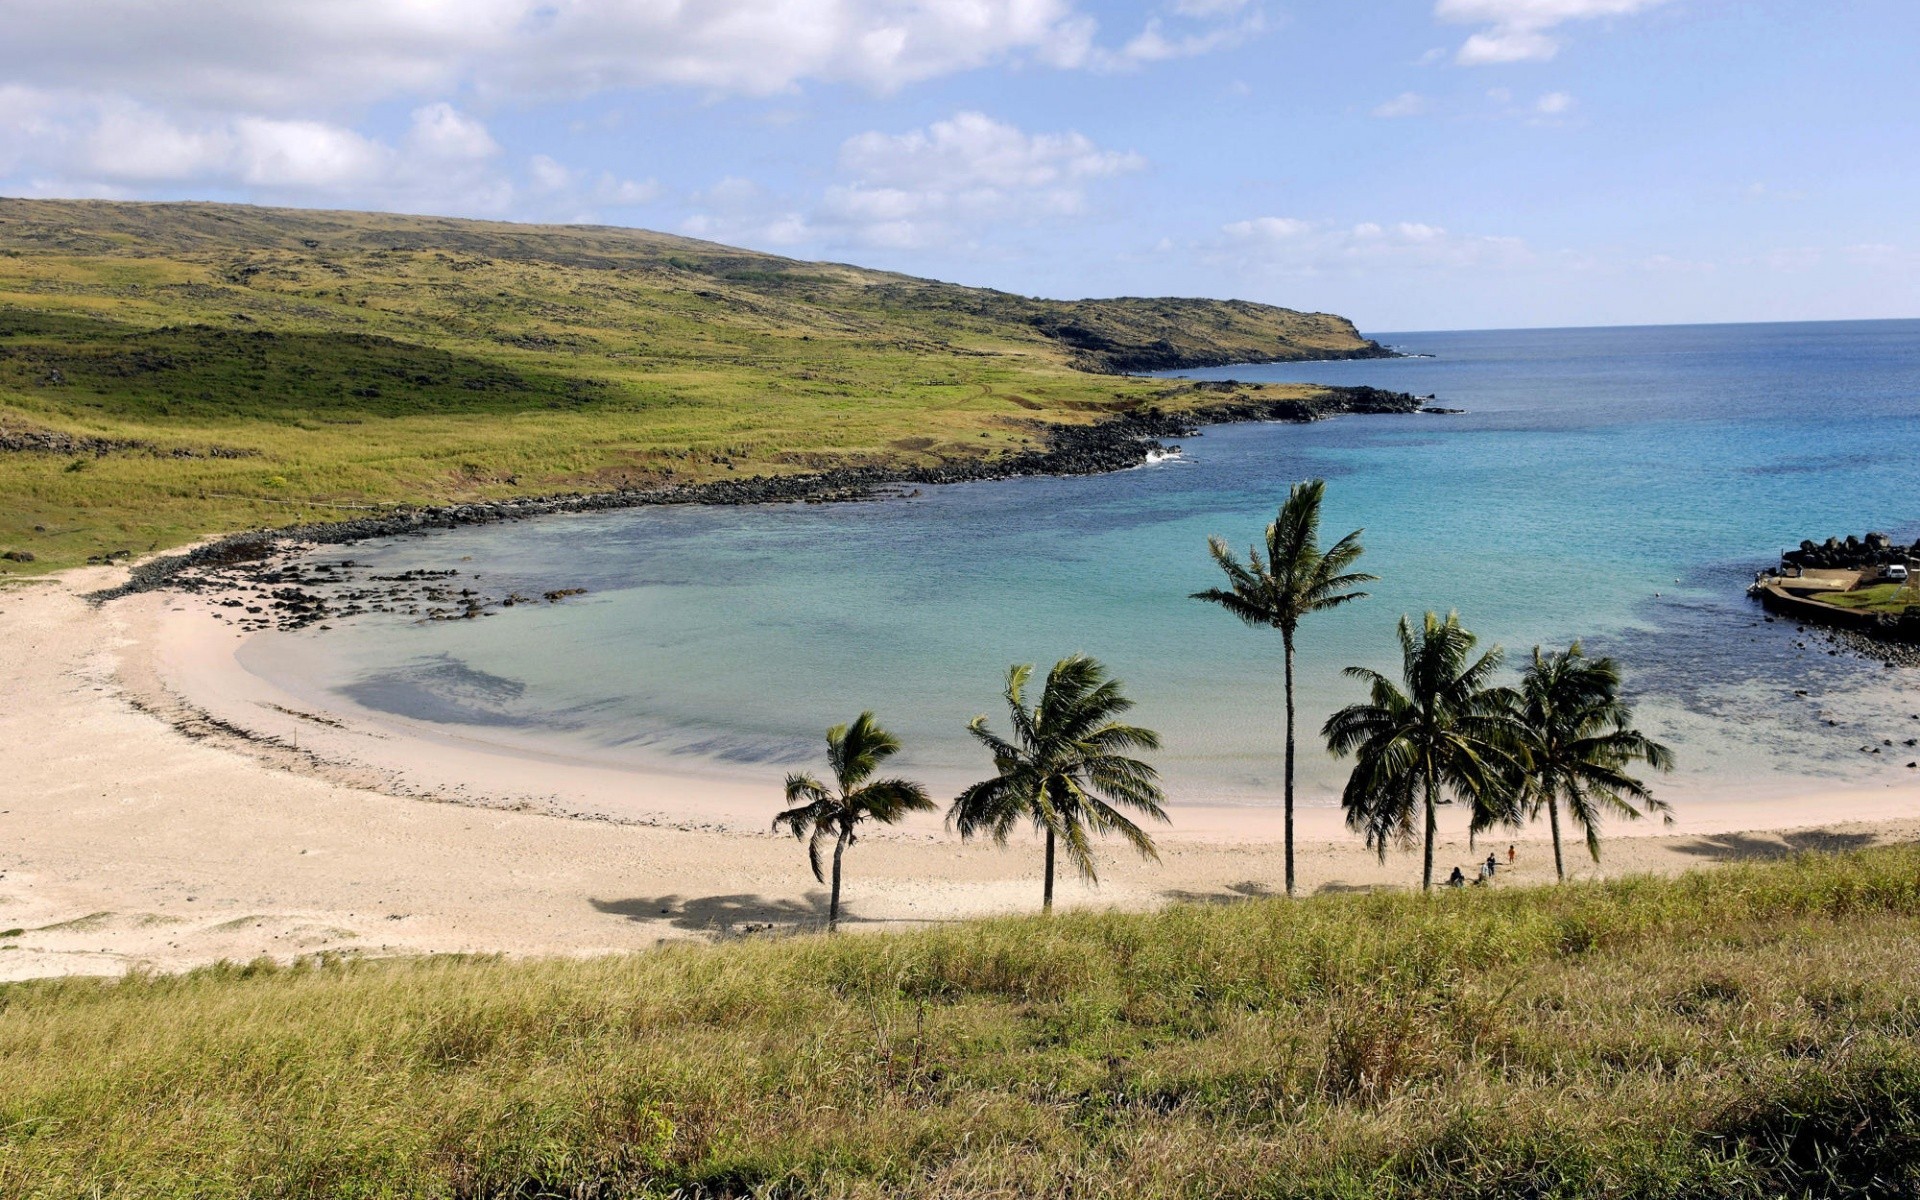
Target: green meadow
point(219, 367)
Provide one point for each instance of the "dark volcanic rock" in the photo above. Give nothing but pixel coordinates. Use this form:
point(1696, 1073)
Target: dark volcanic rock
point(1855, 553)
point(1111, 445)
point(52, 441)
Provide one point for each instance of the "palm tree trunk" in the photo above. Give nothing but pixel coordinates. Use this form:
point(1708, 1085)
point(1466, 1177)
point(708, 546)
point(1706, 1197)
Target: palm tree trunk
point(1553, 819)
point(833, 901)
point(1433, 822)
point(1286, 636)
point(1046, 895)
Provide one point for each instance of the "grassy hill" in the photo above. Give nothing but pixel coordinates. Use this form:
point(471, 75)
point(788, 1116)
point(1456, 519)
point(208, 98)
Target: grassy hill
point(1751, 1031)
point(170, 370)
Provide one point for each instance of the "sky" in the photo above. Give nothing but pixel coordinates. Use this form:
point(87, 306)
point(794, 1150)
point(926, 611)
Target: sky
point(1412, 164)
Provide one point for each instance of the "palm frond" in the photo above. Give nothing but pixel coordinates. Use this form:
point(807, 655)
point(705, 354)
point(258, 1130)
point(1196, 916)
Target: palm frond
point(1577, 740)
point(819, 815)
point(1064, 769)
point(887, 800)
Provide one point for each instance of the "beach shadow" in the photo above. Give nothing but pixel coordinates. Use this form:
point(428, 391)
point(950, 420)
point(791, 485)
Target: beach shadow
point(1245, 890)
point(739, 913)
point(1745, 847)
point(1343, 889)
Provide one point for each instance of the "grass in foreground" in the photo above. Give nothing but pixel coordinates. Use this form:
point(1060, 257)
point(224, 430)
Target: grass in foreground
point(1750, 1031)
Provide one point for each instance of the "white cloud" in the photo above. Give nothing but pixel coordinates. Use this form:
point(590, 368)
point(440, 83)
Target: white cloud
point(1269, 229)
point(128, 143)
point(548, 175)
point(908, 189)
point(771, 230)
point(261, 55)
point(24, 124)
point(1291, 246)
point(1406, 104)
point(444, 161)
point(624, 192)
point(972, 150)
point(121, 142)
point(279, 56)
point(306, 154)
point(1523, 30)
point(732, 194)
point(740, 212)
point(1154, 44)
point(443, 131)
point(948, 183)
point(1209, 8)
point(1507, 45)
point(273, 97)
point(1553, 104)
point(763, 47)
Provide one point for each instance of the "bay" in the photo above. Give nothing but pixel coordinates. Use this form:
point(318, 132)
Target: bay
point(1618, 485)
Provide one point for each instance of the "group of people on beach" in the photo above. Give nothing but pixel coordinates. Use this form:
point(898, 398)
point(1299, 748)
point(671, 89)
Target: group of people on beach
point(1487, 869)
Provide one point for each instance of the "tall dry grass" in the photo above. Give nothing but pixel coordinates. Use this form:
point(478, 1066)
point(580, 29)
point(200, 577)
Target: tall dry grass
point(1753, 1031)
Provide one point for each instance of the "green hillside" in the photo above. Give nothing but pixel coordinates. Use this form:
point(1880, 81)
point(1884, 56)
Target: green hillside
point(1752, 1031)
point(170, 370)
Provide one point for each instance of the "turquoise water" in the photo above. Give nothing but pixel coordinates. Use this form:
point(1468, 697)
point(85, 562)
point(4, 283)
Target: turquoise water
point(1619, 485)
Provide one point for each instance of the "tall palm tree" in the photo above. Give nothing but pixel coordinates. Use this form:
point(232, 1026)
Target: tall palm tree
point(1576, 739)
point(1447, 731)
point(1295, 579)
point(1065, 768)
point(819, 814)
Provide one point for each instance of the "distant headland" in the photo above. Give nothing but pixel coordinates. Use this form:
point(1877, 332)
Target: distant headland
point(176, 371)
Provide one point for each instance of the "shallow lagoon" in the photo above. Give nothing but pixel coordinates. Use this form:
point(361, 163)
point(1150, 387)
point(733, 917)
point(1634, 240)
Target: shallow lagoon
point(1619, 485)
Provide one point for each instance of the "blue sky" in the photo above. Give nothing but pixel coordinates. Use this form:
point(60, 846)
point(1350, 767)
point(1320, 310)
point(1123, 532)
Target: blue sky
point(1414, 164)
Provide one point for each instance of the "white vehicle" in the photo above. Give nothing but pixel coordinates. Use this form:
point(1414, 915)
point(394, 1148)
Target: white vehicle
point(1894, 573)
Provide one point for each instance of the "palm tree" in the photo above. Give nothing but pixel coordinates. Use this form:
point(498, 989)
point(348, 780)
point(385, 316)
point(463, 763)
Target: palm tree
point(1576, 738)
point(819, 815)
point(1448, 731)
point(1064, 769)
point(1296, 578)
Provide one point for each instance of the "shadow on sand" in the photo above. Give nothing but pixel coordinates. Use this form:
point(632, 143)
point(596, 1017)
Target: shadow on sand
point(1743, 847)
point(723, 915)
point(743, 913)
point(1245, 890)
point(1345, 889)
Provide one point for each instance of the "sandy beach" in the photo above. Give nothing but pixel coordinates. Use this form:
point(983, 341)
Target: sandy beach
point(162, 808)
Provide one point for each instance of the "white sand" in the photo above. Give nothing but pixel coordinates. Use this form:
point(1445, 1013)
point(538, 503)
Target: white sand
point(135, 832)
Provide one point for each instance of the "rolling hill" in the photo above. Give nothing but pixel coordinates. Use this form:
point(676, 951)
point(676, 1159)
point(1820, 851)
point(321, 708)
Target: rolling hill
point(173, 370)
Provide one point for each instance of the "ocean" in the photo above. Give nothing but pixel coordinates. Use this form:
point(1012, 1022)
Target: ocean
point(1617, 485)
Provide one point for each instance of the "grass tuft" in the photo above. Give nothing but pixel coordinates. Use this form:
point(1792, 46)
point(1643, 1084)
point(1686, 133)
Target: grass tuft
point(1751, 1031)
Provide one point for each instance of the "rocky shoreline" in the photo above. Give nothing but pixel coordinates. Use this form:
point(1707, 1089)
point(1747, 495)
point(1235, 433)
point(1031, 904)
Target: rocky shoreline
point(257, 562)
point(1850, 553)
point(1892, 638)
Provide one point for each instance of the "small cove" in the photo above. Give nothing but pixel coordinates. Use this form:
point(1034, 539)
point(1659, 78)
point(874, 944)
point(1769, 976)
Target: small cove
point(1617, 485)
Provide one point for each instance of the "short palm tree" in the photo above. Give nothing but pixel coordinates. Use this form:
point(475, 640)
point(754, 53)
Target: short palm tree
point(1446, 733)
point(1576, 739)
point(1294, 579)
point(1065, 769)
point(820, 815)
